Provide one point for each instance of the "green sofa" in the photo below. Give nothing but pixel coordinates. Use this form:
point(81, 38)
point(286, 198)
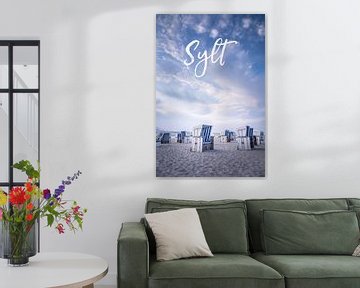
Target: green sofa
point(234, 232)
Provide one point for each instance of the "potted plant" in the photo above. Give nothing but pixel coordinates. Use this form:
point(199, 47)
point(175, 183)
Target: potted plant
point(21, 208)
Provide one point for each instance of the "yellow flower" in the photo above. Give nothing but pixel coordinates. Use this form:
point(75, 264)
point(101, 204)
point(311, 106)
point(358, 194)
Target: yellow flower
point(3, 198)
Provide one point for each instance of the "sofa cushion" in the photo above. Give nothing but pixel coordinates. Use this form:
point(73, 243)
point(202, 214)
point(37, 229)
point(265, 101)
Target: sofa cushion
point(356, 209)
point(223, 221)
point(353, 201)
point(314, 271)
point(354, 205)
point(254, 207)
point(297, 232)
point(178, 234)
point(222, 270)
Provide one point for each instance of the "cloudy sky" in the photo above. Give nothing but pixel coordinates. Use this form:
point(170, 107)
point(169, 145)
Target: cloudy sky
point(226, 96)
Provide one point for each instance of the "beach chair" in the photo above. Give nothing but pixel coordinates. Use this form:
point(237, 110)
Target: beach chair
point(184, 137)
point(262, 138)
point(230, 135)
point(245, 138)
point(202, 140)
point(165, 138)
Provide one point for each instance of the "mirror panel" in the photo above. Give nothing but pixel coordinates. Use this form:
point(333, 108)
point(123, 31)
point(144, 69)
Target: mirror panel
point(26, 72)
point(26, 130)
point(4, 139)
point(4, 67)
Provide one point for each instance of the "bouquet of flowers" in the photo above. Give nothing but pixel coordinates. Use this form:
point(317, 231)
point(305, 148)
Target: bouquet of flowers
point(23, 206)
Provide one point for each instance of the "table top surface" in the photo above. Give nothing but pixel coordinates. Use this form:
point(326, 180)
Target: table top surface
point(68, 270)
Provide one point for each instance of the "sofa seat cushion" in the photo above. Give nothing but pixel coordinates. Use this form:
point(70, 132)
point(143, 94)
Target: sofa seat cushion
point(313, 271)
point(222, 270)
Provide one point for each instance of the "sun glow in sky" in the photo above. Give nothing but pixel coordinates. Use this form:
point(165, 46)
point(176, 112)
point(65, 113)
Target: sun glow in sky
point(227, 96)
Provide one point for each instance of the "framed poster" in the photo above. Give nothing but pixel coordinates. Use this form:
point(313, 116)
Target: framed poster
point(210, 95)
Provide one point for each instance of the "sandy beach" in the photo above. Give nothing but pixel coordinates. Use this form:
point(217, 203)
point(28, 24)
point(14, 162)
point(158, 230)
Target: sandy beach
point(176, 160)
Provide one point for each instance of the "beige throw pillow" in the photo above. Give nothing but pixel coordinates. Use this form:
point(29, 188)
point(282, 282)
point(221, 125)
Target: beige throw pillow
point(357, 251)
point(178, 234)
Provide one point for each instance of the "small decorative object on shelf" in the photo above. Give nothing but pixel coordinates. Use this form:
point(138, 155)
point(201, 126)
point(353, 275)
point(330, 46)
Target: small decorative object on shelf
point(21, 208)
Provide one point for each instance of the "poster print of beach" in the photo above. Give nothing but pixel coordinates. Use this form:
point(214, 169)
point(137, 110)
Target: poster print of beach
point(210, 95)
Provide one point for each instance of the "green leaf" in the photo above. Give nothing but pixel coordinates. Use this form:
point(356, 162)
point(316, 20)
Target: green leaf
point(28, 168)
point(50, 219)
point(21, 165)
point(79, 221)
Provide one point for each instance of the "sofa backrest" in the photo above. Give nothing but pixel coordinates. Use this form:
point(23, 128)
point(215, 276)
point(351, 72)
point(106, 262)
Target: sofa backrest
point(223, 221)
point(256, 205)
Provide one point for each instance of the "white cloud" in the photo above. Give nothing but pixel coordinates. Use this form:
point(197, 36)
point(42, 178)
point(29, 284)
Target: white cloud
point(203, 26)
point(261, 30)
point(171, 48)
point(222, 23)
point(246, 22)
point(230, 110)
point(200, 28)
point(214, 33)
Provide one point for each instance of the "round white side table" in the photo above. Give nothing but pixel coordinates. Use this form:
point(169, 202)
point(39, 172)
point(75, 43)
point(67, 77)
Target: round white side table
point(50, 270)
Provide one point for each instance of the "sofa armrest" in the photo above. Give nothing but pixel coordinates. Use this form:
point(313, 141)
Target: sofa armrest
point(133, 256)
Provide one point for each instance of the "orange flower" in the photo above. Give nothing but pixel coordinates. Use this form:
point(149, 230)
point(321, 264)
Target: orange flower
point(27, 196)
point(29, 217)
point(29, 206)
point(29, 187)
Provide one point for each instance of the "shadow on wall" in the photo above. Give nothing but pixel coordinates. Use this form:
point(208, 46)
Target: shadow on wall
point(68, 73)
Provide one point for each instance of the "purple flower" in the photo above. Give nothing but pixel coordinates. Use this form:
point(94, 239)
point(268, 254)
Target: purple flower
point(46, 194)
point(58, 192)
point(64, 183)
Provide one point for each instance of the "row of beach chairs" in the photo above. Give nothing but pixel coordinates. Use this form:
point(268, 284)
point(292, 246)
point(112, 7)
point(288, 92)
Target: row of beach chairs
point(201, 140)
point(247, 138)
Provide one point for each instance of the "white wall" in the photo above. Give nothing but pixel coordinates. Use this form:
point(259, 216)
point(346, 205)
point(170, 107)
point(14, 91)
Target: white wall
point(98, 63)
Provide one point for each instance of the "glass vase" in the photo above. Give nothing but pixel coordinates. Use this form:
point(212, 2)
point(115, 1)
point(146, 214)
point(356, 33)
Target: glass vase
point(18, 242)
